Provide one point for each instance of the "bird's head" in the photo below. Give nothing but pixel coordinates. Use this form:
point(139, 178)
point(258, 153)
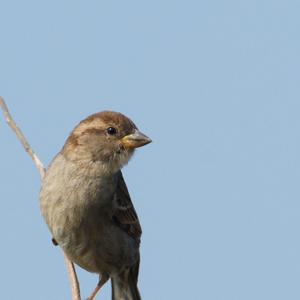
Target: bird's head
point(108, 138)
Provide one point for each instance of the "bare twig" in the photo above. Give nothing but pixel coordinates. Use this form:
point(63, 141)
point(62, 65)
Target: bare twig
point(21, 138)
point(70, 266)
point(73, 279)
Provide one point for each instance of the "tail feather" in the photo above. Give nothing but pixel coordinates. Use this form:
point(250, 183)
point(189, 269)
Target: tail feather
point(124, 285)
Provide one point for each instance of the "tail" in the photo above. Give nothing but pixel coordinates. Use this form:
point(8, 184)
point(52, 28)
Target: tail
point(124, 285)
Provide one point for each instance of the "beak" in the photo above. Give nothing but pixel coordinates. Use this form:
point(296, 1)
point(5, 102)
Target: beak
point(135, 140)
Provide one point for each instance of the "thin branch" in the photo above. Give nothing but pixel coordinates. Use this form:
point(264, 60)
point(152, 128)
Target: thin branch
point(22, 138)
point(73, 278)
point(10, 121)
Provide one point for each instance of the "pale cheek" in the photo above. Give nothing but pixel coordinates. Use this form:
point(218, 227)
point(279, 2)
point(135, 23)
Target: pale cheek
point(124, 157)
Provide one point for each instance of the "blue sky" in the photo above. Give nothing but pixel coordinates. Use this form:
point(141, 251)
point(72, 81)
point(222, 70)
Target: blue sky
point(215, 84)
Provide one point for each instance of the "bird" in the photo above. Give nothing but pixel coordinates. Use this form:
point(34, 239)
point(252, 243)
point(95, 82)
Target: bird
point(85, 202)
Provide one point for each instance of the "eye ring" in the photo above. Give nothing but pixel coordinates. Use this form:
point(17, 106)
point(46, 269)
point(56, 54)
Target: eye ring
point(111, 130)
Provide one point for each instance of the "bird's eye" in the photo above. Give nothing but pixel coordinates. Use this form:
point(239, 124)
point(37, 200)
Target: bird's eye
point(111, 130)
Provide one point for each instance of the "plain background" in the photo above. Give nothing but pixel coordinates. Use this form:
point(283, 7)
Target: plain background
point(215, 84)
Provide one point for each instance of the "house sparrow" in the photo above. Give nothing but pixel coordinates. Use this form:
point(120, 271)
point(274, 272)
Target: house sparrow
point(86, 205)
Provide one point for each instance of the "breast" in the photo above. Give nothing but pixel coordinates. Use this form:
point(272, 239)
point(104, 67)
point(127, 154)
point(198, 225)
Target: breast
point(77, 207)
point(70, 188)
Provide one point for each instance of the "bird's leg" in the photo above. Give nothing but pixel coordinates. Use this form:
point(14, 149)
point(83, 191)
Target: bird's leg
point(103, 279)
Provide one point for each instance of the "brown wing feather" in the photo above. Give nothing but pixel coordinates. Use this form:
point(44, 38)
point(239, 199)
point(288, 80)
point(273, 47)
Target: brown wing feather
point(125, 215)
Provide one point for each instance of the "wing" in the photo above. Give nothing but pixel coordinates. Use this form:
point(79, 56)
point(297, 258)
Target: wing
point(125, 215)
